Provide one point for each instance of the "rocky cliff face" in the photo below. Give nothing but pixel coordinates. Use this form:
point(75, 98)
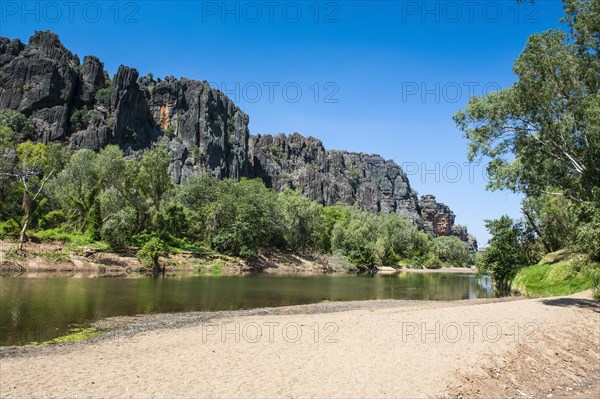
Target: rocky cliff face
point(331, 177)
point(78, 103)
point(205, 131)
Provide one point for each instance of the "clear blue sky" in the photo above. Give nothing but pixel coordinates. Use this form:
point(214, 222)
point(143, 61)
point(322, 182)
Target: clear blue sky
point(379, 77)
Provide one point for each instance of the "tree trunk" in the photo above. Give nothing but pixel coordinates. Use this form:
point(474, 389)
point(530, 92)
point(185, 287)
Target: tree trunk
point(24, 233)
point(537, 230)
point(156, 266)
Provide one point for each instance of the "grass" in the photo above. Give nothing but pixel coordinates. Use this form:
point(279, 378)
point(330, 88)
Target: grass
point(61, 236)
point(74, 335)
point(555, 275)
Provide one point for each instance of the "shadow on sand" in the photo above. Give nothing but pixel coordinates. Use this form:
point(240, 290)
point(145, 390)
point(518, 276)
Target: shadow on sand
point(580, 303)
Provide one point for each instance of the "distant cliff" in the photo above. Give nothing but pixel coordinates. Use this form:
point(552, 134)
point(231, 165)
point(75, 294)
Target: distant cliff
point(77, 102)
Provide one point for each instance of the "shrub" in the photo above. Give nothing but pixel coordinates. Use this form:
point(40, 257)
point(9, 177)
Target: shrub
point(52, 220)
point(431, 261)
point(152, 251)
point(118, 228)
point(10, 229)
point(103, 96)
point(80, 119)
point(16, 121)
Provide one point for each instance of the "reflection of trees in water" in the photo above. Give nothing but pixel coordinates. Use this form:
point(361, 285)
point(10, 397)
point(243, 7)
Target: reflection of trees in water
point(39, 309)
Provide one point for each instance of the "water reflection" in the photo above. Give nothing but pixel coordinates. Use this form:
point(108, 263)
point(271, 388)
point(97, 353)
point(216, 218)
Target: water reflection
point(43, 308)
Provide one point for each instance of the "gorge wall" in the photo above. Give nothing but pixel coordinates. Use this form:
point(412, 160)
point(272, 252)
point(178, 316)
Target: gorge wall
point(76, 102)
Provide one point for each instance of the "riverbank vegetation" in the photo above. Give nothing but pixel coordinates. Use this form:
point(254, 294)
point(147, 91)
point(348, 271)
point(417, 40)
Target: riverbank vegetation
point(108, 200)
point(542, 139)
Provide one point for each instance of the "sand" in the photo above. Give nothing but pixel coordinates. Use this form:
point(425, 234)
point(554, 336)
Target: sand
point(487, 349)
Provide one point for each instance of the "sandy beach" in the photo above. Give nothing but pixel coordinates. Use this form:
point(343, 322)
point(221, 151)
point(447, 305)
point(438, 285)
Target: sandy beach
point(375, 349)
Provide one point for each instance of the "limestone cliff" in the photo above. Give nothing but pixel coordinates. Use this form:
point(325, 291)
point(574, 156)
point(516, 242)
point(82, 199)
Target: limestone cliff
point(205, 131)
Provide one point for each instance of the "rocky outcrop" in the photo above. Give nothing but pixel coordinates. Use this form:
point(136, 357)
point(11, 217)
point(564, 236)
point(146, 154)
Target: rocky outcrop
point(78, 103)
point(204, 130)
point(331, 177)
point(439, 221)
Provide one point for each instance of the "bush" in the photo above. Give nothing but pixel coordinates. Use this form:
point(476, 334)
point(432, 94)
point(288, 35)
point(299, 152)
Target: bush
point(431, 261)
point(52, 219)
point(80, 119)
point(103, 96)
point(94, 221)
point(452, 250)
point(118, 229)
point(587, 234)
point(17, 122)
point(62, 236)
point(10, 229)
point(152, 251)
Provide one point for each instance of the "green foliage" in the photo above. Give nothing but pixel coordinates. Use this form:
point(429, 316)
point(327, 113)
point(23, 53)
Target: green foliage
point(562, 278)
point(587, 232)
point(355, 238)
point(7, 136)
point(170, 132)
point(94, 221)
point(75, 188)
point(331, 216)
point(52, 219)
point(452, 251)
point(354, 177)
point(431, 261)
point(152, 251)
point(554, 215)
point(153, 176)
point(103, 95)
point(542, 136)
point(118, 229)
point(58, 234)
point(301, 221)
point(509, 248)
point(10, 229)
point(32, 157)
point(18, 123)
point(80, 119)
point(243, 218)
point(275, 151)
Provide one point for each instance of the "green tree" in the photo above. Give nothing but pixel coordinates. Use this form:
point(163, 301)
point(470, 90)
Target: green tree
point(332, 215)
point(543, 131)
point(118, 228)
point(452, 251)
point(301, 220)
point(509, 249)
point(151, 252)
point(76, 186)
point(153, 177)
point(21, 126)
point(33, 171)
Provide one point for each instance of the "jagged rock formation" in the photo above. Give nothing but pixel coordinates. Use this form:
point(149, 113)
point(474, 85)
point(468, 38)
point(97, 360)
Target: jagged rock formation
point(204, 130)
point(439, 221)
point(331, 177)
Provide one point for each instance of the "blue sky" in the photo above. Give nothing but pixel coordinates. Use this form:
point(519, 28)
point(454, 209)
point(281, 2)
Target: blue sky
point(379, 77)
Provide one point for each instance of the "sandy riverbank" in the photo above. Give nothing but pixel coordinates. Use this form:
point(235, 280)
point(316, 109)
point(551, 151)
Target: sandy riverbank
point(395, 349)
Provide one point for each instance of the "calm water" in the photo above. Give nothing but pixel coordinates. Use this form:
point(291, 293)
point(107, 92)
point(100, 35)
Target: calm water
point(40, 309)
